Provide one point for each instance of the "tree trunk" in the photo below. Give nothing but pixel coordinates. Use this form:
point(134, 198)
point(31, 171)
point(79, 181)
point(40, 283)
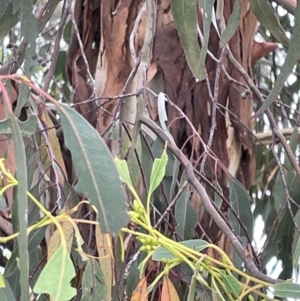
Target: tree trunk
point(233, 143)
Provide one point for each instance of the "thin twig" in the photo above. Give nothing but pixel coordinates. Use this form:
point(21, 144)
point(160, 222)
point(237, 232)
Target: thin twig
point(214, 108)
point(133, 34)
point(168, 209)
point(64, 16)
point(271, 119)
point(207, 203)
point(82, 50)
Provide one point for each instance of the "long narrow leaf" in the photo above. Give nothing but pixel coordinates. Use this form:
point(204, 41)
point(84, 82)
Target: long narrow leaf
point(267, 17)
point(232, 24)
point(158, 171)
point(20, 206)
point(206, 7)
point(241, 203)
point(185, 17)
point(6, 293)
point(98, 178)
point(293, 55)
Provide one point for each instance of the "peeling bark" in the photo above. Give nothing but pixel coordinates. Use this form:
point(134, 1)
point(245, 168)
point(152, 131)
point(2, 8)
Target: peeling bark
point(233, 141)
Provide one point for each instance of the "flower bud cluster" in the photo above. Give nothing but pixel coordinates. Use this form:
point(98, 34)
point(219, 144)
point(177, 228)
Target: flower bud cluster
point(149, 243)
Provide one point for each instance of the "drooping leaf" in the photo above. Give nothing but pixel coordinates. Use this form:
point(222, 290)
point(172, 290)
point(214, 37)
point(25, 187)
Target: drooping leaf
point(158, 171)
point(291, 59)
point(278, 192)
point(133, 278)
point(287, 163)
point(27, 127)
point(168, 292)
point(56, 277)
point(12, 271)
point(231, 283)
point(196, 276)
point(61, 59)
point(93, 282)
point(97, 175)
point(232, 24)
point(7, 18)
point(28, 30)
point(140, 292)
point(6, 293)
point(296, 245)
point(206, 7)
point(106, 259)
point(185, 17)
point(19, 207)
point(218, 200)
point(4, 5)
point(123, 170)
point(157, 149)
point(241, 202)
point(132, 161)
point(267, 17)
point(287, 290)
point(185, 216)
point(35, 268)
point(195, 244)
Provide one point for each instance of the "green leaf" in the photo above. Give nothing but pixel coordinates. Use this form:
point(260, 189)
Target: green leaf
point(206, 6)
point(232, 24)
point(60, 65)
point(267, 17)
point(232, 284)
point(292, 57)
point(27, 127)
point(68, 32)
point(158, 171)
point(7, 18)
point(287, 163)
point(287, 290)
point(196, 276)
point(98, 178)
point(6, 293)
point(157, 148)
point(29, 31)
point(278, 192)
point(218, 200)
point(133, 278)
point(56, 277)
point(241, 203)
point(3, 7)
point(185, 216)
point(185, 17)
point(296, 255)
point(2, 281)
point(93, 282)
point(123, 170)
point(19, 208)
point(195, 244)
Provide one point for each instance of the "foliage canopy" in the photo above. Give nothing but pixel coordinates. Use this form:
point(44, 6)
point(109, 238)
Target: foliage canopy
point(144, 145)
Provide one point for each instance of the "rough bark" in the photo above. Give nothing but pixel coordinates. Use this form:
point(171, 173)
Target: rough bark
point(233, 142)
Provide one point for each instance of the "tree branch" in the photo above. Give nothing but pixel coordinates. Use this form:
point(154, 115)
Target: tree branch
point(207, 202)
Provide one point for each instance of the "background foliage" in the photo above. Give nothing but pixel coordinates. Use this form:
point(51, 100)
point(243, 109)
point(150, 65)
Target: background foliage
point(149, 150)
